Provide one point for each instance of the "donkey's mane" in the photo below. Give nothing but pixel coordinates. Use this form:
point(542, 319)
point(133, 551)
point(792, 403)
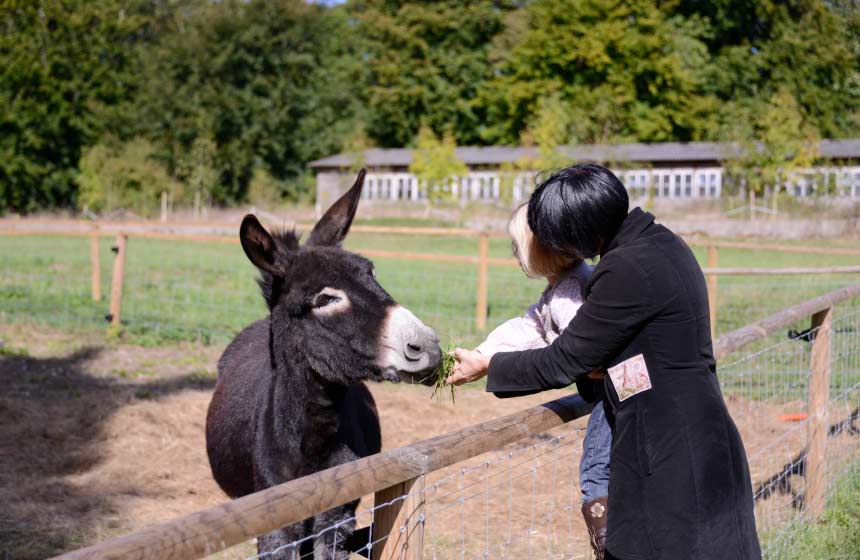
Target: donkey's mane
point(286, 241)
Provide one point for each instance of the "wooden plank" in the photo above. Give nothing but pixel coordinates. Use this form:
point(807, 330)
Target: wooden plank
point(398, 525)
point(737, 339)
point(775, 247)
point(96, 266)
point(817, 423)
point(418, 256)
point(217, 528)
point(792, 270)
point(432, 257)
point(481, 295)
point(7, 225)
point(116, 283)
point(713, 258)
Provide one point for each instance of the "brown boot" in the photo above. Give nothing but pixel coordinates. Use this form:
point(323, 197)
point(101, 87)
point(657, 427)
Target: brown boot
point(594, 513)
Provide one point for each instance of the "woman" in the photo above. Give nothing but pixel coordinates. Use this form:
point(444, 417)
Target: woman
point(679, 485)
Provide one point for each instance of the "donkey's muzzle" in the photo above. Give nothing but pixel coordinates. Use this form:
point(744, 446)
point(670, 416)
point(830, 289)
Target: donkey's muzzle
point(409, 349)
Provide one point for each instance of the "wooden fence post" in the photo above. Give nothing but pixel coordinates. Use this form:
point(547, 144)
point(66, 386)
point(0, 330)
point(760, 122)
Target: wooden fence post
point(713, 260)
point(163, 207)
point(817, 427)
point(117, 279)
point(389, 519)
point(481, 300)
point(95, 263)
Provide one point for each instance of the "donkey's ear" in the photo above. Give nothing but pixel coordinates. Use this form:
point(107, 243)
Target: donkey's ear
point(258, 244)
point(332, 228)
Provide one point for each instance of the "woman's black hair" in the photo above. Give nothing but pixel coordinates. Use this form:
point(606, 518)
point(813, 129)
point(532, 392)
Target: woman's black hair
point(578, 209)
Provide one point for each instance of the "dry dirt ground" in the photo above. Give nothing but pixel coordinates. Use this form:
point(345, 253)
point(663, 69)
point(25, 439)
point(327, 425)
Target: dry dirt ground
point(98, 439)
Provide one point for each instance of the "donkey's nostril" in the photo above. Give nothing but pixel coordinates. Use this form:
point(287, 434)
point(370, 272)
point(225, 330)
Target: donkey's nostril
point(413, 347)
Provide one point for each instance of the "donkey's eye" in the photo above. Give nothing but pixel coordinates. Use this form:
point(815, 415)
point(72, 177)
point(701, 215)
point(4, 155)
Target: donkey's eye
point(321, 300)
point(330, 301)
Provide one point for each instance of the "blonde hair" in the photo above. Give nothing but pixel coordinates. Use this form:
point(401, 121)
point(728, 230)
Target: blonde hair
point(535, 259)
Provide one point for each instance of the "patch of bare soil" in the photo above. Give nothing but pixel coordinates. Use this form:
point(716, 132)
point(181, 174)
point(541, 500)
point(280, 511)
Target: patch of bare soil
point(90, 449)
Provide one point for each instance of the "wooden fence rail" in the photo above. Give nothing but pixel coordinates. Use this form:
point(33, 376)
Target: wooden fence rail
point(482, 260)
point(390, 473)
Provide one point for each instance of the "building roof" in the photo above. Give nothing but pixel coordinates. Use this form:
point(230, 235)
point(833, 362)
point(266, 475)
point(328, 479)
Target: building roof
point(656, 153)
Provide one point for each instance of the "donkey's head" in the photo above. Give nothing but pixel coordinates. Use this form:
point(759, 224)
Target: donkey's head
point(327, 307)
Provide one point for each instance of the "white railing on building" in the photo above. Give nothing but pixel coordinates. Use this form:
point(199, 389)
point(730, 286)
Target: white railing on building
point(665, 183)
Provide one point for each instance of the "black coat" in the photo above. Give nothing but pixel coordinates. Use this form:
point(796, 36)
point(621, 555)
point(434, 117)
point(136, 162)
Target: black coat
point(679, 484)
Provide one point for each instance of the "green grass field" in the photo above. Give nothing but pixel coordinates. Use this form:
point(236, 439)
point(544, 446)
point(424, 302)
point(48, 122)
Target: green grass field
point(836, 536)
point(183, 290)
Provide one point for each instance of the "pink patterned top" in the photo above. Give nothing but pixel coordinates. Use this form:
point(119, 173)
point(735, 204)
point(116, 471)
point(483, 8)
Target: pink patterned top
point(544, 320)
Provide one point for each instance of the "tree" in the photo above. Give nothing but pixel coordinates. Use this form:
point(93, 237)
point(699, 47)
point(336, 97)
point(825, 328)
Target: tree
point(770, 150)
point(269, 83)
point(198, 168)
point(66, 65)
point(759, 47)
point(436, 166)
point(625, 71)
point(124, 176)
point(427, 62)
point(543, 141)
point(356, 144)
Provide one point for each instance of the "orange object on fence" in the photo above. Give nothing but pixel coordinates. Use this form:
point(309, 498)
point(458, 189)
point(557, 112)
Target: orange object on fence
point(795, 417)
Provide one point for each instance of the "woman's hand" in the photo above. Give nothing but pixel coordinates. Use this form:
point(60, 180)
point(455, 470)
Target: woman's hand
point(470, 366)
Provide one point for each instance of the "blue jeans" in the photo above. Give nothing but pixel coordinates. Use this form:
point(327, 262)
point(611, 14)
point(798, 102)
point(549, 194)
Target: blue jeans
point(594, 466)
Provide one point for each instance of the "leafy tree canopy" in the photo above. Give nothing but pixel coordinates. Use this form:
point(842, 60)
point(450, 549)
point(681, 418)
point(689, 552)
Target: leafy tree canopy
point(232, 92)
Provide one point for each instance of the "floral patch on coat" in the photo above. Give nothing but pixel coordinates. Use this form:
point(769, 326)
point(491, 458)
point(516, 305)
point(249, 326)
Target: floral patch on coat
point(630, 377)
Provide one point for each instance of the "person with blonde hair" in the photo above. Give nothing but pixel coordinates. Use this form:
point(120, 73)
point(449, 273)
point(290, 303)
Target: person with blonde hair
point(542, 323)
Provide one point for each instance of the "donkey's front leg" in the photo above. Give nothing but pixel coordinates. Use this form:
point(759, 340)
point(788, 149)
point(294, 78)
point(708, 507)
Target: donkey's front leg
point(283, 543)
point(334, 528)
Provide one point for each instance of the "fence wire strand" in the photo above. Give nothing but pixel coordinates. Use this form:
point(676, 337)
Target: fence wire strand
point(520, 502)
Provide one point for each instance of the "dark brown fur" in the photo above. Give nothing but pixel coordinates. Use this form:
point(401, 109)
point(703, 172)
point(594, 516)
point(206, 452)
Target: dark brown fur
point(289, 400)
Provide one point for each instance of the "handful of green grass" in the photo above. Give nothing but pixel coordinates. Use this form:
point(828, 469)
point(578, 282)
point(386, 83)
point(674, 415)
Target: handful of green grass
point(441, 373)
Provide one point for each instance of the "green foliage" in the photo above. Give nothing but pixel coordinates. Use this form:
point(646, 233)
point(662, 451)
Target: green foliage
point(264, 190)
point(64, 66)
point(772, 146)
point(427, 63)
point(265, 82)
point(198, 167)
point(356, 144)
point(625, 71)
point(221, 89)
point(435, 164)
point(124, 177)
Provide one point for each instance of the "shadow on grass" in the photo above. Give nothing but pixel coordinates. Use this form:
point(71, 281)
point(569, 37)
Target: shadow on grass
point(53, 416)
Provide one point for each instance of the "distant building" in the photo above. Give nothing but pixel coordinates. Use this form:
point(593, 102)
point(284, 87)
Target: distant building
point(673, 170)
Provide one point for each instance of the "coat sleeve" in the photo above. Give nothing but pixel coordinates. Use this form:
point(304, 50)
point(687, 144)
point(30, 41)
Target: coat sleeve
point(618, 305)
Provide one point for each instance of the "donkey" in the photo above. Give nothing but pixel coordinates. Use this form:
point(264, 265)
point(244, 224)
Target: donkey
point(289, 400)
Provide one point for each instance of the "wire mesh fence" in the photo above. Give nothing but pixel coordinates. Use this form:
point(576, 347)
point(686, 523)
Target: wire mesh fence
point(768, 393)
point(524, 501)
point(177, 289)
point(520, 503)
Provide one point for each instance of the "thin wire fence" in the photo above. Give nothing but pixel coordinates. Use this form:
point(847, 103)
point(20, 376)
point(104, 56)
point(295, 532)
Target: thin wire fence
point(204, 291)
point(524, 501)
point(767, 391)
point(519, 502)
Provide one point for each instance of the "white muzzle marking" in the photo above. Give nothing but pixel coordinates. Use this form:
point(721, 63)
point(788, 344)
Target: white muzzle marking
point(407, 345)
